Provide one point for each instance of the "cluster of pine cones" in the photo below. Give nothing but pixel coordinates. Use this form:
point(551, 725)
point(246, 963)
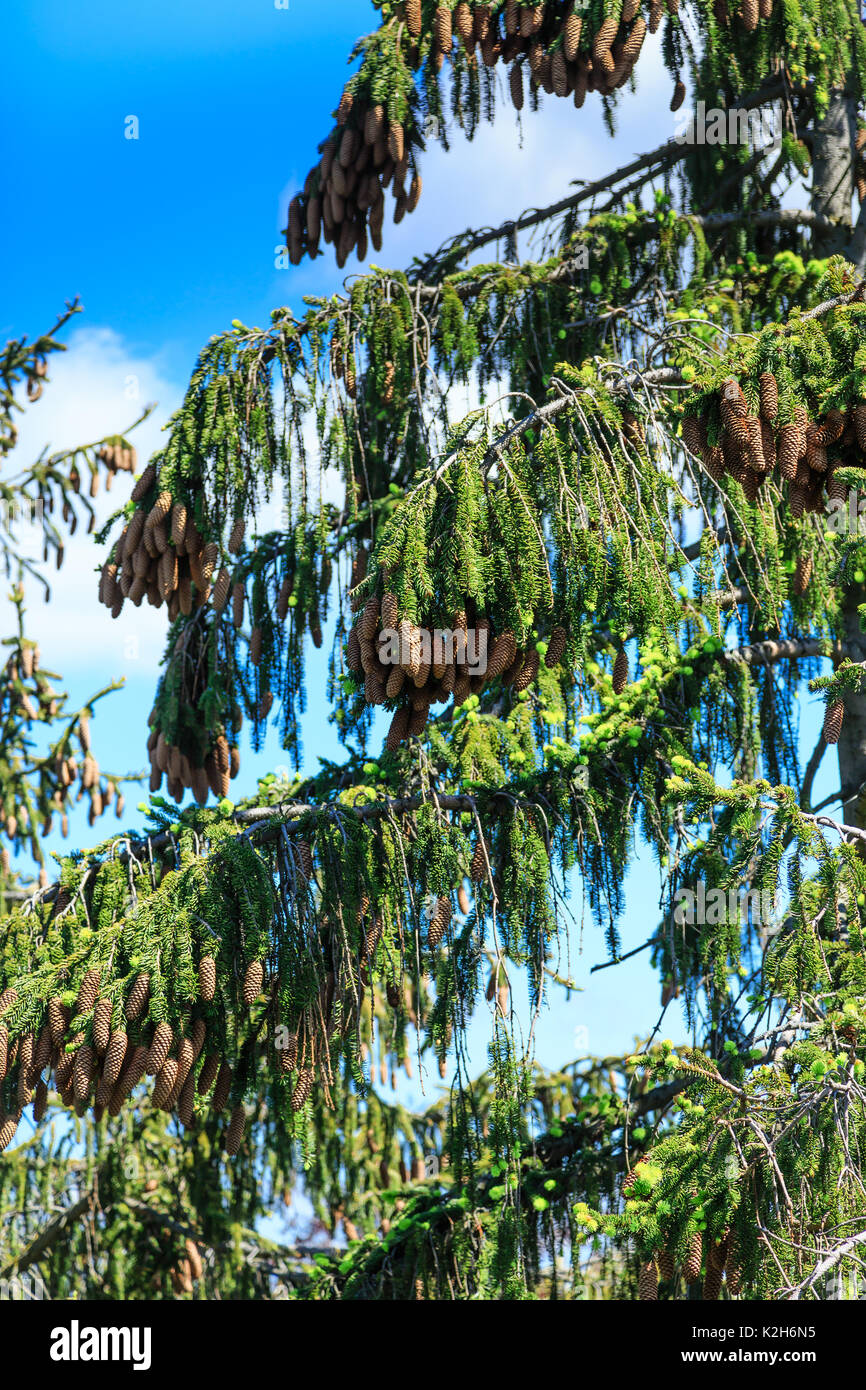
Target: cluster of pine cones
point(118, 458)
point(747, 11)
point(752, 446)
point(221, 764)
point(161, 555)
point(419, 681)
point(103, 1071)
point(722, 1261)
point(344, 194)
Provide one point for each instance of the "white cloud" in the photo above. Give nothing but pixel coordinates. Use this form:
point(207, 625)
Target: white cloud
point(98, 386)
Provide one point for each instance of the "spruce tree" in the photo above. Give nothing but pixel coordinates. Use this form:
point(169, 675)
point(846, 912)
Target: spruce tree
point(648, 533)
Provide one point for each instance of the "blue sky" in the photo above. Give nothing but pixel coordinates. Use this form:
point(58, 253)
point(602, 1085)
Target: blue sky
point(169, 237)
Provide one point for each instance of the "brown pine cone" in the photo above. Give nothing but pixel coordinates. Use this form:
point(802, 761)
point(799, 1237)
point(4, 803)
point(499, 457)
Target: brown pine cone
point(529, 671)
point(222, 1088)
point(101, 1024)
point(369, 620)
point(235, 1131)
point(207, 979)
point(796, 500)
point(601, 44)
point(666, 1265)
point(502, 654)
point(87, 992)
point(555, 647)
point(694, 1259)
point(571, 36)
point(679, 95)
point(159, 1048)
point(837, 491)
point(221, 589)
point(253, 981)
point(463, 24)
point(833, 721)
point(40, 1101)
point(58, 1020)
point(802, 574)
point(769, 396)
point(859, 413)
point(768, 446)
point(478, 866)
point(648, 1282)
point(395, 682)
point(83, 1069)
point(8, 1128)
point(389, 612)
point(620, 672)
point(634, 43)
point(239, 594)
point(303, 1087)
point(115, 1055)
point(42, 1053)
point(442, 28)
point(289, 1055)
point(515, 84)
point(412, 10)
point(713, 1276)
point(695, 435)
point(208, 1073)
point(559, 73)
point(137, 997)
point(398, 728)
point(657, 10)
point(164, 1085)
point(144, 484)
point(439, 922)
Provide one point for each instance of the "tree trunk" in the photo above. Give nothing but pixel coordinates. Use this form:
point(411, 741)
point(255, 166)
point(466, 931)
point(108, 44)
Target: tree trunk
point(833, 172)
point(851, 747)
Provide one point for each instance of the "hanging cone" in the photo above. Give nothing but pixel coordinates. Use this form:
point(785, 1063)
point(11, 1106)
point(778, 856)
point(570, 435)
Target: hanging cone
point(208, 1073)
point(555, 647)
point(679, 95)
point(694, 1259)
point(620, 672)
point(571, 36)
point(833, 721)
point(442, 914)
point(666, 1265)
point(515, 83)
point(442, 28)
point(159, 1048)
point(235, 1132)
point(694, 435)
point(648, 1282)
point(87, 992)
point(253, 981)
point(303, 1087)
point(398, 729)
point(412, 11)
point(769, 396)
point(802, 574)
point(101, 1024)
point(138, 997)
point(478, 866)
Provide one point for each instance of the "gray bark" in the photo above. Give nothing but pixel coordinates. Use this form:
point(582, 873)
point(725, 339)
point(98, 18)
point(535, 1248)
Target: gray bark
point(833, 172)
point(851, 747)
